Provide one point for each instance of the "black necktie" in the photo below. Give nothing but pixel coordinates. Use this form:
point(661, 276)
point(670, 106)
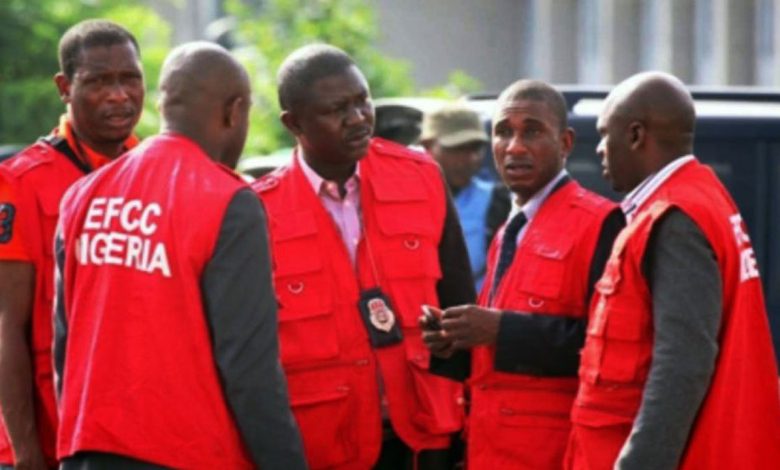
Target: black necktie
point(508, 246)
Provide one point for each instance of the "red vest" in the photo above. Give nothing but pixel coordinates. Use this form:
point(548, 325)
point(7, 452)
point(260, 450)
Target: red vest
point(522, 421)
point(332, 371)
point(738, 424)
point(140, 378)
point(40, 174)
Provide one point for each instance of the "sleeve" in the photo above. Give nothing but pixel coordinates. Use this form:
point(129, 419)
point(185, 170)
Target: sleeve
point(549, 345)
point(456, 287)
point(60, 319)
point(685, 285)
point(13, 215)
point(241, 311)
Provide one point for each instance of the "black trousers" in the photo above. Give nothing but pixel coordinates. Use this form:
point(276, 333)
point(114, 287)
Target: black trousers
point(396, 455)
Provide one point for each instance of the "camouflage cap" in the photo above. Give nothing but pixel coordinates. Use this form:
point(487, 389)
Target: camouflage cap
point(453, 125)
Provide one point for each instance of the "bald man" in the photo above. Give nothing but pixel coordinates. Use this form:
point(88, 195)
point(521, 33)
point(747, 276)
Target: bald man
point(678, 369)
point(166, 350)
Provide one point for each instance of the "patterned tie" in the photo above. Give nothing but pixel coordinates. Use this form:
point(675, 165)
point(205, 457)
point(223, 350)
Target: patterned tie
point(508, 246)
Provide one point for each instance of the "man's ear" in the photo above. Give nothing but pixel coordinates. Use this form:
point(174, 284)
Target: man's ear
point(568, 136)
point(233, 111)
point(290, 121)
point(637, 135)
point(63, 87)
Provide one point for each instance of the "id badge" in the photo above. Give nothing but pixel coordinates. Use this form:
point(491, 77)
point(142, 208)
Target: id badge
point(379, 318)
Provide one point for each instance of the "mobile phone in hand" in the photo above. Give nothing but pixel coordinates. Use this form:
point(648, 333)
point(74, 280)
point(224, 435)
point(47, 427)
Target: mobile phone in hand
point(432, 316)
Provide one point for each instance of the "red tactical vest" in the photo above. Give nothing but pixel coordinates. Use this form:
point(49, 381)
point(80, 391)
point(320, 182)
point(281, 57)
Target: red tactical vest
point(331, 369)
point(40, 173)
point(738, 424)
point(140, 378)
point(522, 421)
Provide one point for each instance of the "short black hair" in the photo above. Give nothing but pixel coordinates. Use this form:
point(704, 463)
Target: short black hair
point(537, 90)
point(306, 65)
point(87, 34)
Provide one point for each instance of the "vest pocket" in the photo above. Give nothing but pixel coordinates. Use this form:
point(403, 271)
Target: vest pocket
point(410, 271)
point(326, 428)
point(439, 400)
point(545, 265)
point(306, 325)
point(616, 350)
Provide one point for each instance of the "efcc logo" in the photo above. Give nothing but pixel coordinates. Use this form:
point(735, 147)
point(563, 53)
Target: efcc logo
point(118, 232)
point(748, 268)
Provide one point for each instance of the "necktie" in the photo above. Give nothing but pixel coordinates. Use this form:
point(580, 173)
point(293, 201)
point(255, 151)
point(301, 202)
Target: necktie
point(508, 247)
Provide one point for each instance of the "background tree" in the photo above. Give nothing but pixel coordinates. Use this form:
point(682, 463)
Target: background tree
point(29, 34)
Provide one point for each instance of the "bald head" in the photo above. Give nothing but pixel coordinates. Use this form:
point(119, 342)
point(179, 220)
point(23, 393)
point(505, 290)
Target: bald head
point(205, 94)
point(647, 121)
point(663, 104)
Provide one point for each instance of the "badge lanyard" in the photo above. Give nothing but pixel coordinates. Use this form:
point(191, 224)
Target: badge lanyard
point(374, 305)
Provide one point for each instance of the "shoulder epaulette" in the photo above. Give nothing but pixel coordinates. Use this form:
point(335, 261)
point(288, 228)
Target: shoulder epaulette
point(269, 181)
point(34, 155)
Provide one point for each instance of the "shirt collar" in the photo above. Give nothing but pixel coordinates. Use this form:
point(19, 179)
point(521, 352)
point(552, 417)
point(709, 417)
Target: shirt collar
point(650, 185)
point(531, 207)
point(322, 186)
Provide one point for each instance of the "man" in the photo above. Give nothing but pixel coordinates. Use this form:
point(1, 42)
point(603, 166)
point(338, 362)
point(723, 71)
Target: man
point(677, 369)
point(101, 83)
point(527, 330)
point(363, 235)
point(454, 136)
point(165, 334)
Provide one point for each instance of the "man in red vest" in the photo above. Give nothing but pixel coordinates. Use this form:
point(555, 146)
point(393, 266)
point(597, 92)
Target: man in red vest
point(526, 332)
point(678, 369)
point(166, 350)
point(364, 234)
point(101, 83)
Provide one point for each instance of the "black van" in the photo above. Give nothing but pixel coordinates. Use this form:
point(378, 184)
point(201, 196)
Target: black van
point(737, 134)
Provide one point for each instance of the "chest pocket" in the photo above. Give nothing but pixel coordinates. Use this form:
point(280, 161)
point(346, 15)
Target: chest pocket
point(618, 343)
point(545, 267)
point(307, 329)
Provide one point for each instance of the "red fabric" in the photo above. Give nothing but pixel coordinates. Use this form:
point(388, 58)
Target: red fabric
point(520, 421)
point(37, 177)
point(140, 378)
point(332, 371)
point(738, 425)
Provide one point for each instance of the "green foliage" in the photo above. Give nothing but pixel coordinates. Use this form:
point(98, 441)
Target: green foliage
point(270, 31)
point(30, 31)
point(266, 32)
point(458, 84)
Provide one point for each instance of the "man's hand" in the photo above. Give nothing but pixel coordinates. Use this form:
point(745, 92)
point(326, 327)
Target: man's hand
point(434, 338)
point(466, 326)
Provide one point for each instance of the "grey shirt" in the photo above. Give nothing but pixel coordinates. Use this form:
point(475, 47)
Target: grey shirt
point(241, 312)
point(685, 286)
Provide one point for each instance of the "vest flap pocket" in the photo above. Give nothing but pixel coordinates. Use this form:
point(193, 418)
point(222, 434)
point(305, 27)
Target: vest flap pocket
point(623, 325)
point(293, 258)
point(414, 260)
point(545, 267)
point(327, 429)
point(551, 250)
point(293, 225)
point(389, 189)
point(413, 219)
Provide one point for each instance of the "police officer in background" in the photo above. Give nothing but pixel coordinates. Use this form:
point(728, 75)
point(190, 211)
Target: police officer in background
point(526, 332)
point(363, 235)
point(678, 369)
point(455, 137)
point(102, 85)
point(166, 345)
